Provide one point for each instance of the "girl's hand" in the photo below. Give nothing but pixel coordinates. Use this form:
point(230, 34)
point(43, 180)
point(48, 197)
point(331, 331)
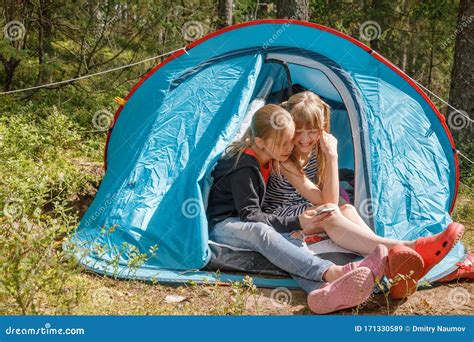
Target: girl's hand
point(309, 221)
point(328, 143)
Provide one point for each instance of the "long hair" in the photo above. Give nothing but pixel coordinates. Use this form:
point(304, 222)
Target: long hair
point(309, 111)
point(270, 121)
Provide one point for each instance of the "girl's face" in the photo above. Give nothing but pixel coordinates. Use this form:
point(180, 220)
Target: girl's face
point(306, 138)
point(281, 150)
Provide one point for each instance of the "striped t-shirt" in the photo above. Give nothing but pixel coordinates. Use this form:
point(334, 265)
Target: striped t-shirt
point(281, 198)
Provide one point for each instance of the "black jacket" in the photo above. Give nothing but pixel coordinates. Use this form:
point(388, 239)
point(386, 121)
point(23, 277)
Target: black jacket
point(239, 192)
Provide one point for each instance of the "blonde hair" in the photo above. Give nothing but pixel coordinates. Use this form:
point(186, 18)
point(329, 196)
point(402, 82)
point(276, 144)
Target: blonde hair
point(270, 121)
point(308, 110)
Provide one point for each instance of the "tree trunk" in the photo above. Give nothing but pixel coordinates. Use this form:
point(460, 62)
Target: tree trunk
point(375, 9)
point(430, 67)
point(294, 9)
point(9, 66)
point(225, 13)
point(405, 25)
point(45, 38)
point(13, 10)
point(462, 78)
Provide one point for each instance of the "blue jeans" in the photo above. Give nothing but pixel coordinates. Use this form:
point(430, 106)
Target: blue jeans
point(282, 251)
point(307, 285)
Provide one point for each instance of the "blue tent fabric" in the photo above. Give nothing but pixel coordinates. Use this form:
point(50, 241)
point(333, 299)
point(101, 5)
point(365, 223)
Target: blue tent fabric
point(161, 189)
point(177, 123)
point(412, 175)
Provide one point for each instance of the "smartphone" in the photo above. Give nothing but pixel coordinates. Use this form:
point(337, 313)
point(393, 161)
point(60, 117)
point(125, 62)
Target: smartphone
point(324, 210)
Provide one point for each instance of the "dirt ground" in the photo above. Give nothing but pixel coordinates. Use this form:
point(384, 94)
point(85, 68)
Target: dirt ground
point(107, 296)
point(450, 299)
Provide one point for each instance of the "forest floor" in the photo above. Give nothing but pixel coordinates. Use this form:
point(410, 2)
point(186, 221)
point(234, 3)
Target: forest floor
point(112, 297)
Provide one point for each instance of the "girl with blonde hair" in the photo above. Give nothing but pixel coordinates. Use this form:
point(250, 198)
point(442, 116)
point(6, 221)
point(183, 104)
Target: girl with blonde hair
point(309, 180)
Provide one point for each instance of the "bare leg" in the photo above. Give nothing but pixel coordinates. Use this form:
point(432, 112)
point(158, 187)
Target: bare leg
point(351, 213)
point(354, 237)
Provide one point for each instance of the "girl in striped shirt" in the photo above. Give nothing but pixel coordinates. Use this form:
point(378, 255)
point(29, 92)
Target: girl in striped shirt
point(309, 180)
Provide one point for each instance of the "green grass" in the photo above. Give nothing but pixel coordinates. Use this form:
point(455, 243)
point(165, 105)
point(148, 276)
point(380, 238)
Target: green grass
point(464, 213)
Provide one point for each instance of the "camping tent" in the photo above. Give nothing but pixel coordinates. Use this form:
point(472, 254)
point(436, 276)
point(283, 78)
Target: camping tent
point(179, 118)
